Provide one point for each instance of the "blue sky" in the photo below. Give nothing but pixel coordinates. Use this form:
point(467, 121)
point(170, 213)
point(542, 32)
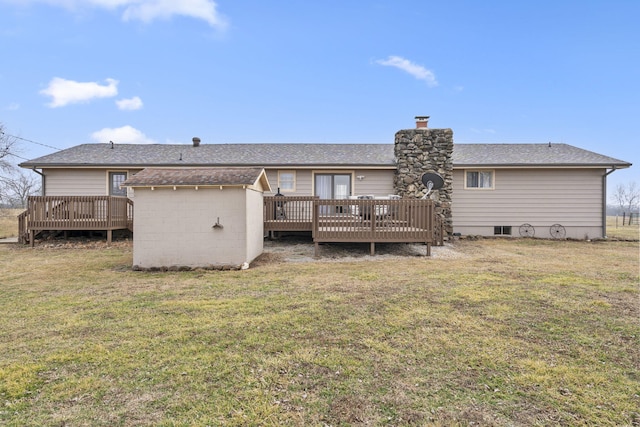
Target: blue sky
point(163, 71)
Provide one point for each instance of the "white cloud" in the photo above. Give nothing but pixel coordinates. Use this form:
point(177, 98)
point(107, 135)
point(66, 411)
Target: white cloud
point(130, 104)
point(148, 10)
point(14, 106)
point(122, 135)
point(64, 92)
point(417, 71)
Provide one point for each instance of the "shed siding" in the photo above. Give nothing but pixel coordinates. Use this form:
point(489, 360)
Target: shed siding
point(540, 197)
point(254, 225)
point(175, 228)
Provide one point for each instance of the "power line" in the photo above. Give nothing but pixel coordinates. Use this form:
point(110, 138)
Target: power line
point(33, 142)
point(15, 155)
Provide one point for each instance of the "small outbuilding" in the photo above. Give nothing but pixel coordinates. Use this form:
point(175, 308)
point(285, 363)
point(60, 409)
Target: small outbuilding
point(197, 217)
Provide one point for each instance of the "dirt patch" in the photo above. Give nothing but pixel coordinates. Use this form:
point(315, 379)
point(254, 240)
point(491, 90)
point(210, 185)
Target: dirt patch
point(283, 249)
point(301, 249)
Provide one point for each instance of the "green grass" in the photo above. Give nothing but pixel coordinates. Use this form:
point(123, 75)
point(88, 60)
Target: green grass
point(509, 332)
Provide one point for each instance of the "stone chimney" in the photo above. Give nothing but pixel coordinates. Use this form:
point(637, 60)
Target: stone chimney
point(421, 122)
point(196, 141)
point(422, 150)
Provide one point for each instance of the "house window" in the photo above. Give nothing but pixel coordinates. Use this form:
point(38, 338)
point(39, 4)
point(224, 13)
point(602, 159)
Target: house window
point(479, 179)
point(499, 230)
point(332, 185)
point(115, 180)
point(287, 180)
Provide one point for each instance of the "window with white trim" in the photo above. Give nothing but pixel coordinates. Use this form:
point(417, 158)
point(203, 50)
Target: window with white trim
point(478, 179)
point(287, 180)
point(115, 179)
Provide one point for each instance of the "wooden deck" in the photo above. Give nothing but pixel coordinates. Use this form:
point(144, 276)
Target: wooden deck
point(363, 220)
point(333, 220)
point(69, 213)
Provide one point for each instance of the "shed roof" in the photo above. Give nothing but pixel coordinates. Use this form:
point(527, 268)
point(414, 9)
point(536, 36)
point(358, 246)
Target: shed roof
point(313, 155)
point(160, 177)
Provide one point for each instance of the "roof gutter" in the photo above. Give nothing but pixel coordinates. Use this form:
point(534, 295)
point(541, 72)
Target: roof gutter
point(604, 199)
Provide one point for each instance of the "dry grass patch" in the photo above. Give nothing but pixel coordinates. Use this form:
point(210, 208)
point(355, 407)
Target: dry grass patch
point(511, 332)
point(9, 222)
point(617, 230)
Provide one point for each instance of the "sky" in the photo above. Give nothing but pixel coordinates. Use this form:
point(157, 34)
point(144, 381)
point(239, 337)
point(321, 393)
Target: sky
point(333, 71)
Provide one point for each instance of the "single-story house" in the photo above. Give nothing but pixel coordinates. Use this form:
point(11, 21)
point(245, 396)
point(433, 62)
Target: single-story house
point(542, 190)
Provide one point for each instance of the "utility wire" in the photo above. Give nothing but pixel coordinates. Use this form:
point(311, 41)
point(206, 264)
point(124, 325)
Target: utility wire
point(33, 142)
point(15, 155)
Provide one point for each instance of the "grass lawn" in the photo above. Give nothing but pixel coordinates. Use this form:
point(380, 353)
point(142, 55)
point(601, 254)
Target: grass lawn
point(507, 332)
point(615, 229)
point(9, 222)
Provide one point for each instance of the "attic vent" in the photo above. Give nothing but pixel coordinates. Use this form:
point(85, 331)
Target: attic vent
point(196, 141)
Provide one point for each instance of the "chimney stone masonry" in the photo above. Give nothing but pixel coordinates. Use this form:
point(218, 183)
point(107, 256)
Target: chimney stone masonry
point(422, 150)
point(196, 141)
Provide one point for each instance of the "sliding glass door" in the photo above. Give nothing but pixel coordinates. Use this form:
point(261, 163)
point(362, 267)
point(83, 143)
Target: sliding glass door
point(332, 185)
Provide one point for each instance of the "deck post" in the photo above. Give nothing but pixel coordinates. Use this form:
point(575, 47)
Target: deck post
point(109, 236)
point(373, 248)
point(316, 247)
point(32, 237)
point(428, 249)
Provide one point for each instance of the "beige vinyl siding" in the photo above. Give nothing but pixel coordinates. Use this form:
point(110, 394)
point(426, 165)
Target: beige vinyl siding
point(80, 182)
point(76, 182)
point(378, 182)
point(540, 197)
point(302, 184)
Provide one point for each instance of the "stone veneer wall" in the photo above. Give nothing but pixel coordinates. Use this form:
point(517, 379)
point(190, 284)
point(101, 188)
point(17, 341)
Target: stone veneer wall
point(418, 151)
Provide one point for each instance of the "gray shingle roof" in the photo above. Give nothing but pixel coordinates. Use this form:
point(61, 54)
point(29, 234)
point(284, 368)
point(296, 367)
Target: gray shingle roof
point(194, 176)
point(327, 155)
point(219, 155)
point(529, 155)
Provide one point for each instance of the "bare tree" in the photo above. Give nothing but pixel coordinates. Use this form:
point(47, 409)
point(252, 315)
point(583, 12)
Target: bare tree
point(627, 196)
point(17, 186)
point(8, 145)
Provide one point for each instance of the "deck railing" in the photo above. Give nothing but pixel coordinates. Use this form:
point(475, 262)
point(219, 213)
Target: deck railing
point(290, 213)
point(374, 221)
point(23, 227)
point(75, 213)
point(355, 220)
